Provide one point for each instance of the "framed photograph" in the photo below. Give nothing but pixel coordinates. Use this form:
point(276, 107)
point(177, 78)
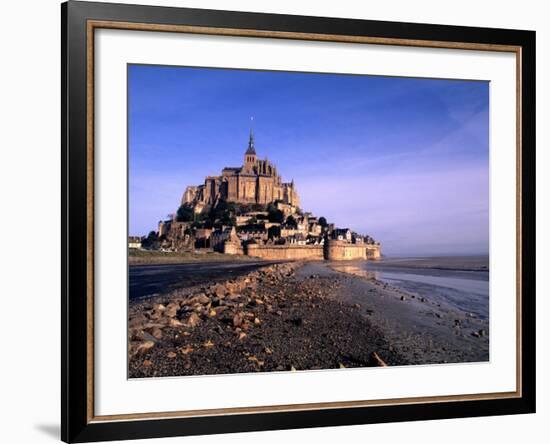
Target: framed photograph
point(276, 221)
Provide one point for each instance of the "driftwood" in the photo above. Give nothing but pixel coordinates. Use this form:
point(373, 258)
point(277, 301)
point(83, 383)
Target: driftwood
point(376, 361)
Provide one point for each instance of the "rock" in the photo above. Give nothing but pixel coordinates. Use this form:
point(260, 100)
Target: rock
point(257, 321)
point(137, 321)
point(245, 325)
point(221, 309)
point(203, 299)
point(158, 307)
point(208, 344)
point(147, 363)
point(242, 335)
point(186, 350)
point(174, 323)
point(478, 334)
point(192, 320)
point(171, 355)
point(144, 348)
point(237, 320)
point(156, 314)
point(136, 334)
point(197, 301)
point(256, 360)
point(219, 291)
point(155, 332)
point(171, 310)
point(149, 337)
point(357, 306)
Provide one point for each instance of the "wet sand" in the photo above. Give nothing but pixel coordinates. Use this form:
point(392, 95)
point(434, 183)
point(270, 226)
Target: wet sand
point(424, 328)
point(297, 317)
point(157, 279)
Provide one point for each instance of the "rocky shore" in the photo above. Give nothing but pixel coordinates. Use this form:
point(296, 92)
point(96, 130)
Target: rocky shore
point(272, 319)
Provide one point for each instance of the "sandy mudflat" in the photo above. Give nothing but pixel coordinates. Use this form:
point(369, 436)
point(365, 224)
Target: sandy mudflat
point(296, 317)
point(424, 328)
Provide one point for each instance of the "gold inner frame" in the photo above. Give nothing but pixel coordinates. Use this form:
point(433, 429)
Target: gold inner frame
point(96, 24)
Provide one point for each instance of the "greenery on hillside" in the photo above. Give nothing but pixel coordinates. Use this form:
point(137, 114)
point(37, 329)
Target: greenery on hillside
point(223, 213)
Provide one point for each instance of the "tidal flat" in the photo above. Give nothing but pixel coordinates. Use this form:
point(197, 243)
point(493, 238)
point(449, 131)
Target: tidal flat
point(303, 316)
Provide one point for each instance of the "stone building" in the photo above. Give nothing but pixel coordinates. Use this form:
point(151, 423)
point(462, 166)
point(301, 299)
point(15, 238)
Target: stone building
point(265, 220)
point(135, 242)
point(255, 182)
point(226, 241)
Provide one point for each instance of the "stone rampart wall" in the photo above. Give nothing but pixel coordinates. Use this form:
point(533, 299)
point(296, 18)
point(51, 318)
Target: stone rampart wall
point(333, 250)
point(341, 251)
point(286, 252)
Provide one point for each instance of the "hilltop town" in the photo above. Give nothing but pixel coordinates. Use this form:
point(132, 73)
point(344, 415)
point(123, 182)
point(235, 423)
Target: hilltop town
point(249, 210)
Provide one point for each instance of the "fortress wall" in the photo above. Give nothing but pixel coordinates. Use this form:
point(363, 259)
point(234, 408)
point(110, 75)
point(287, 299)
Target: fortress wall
point(373, 252)
point(333, 250)
point(341, 251)
point(286, 252)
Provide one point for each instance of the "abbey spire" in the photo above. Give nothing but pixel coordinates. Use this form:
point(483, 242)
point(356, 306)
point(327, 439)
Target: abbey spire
point(251, 150)
point(250, 154)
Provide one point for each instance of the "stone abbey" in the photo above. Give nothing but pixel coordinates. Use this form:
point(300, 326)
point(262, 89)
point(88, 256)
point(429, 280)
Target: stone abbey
point(255, 182)
point(250, 210)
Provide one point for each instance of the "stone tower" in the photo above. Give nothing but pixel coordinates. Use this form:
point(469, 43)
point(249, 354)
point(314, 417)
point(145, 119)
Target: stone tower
point(250, 155)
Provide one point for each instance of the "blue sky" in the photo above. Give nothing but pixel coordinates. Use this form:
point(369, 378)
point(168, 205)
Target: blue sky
point(405, 160)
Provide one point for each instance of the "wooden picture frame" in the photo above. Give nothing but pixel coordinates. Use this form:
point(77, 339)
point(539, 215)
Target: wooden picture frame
point(79, 22)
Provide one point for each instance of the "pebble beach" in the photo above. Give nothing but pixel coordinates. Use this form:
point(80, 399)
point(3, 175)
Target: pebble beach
point(297, 316)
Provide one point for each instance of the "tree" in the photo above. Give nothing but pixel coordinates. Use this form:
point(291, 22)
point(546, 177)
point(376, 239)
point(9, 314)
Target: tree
point(291, 222)
point(223, 209)
point(150, 241)
point(185, 214)
point(274, 232)
point(228, 219)
point(276, 216)
point(323, 222)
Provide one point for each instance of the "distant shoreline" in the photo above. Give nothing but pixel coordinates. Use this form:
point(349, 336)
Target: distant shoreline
point(150, 257)
point(450, 263)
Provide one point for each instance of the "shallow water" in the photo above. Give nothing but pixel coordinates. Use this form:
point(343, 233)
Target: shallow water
point(466, 291)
